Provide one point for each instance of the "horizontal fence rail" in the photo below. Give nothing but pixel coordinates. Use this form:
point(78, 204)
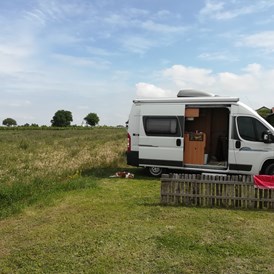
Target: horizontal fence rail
point(214, 191)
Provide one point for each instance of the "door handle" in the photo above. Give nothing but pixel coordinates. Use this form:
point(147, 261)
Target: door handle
point(178, 142)
point(238, 144)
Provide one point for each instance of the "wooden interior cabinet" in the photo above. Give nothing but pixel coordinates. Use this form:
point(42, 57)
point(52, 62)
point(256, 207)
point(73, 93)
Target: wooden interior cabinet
point(191, 112)
point(194, 148)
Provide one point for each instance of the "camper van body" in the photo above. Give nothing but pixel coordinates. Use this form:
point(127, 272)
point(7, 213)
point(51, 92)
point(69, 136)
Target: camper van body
point(204, 133)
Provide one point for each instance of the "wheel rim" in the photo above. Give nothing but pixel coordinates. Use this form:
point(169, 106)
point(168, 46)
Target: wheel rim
point(155, 171)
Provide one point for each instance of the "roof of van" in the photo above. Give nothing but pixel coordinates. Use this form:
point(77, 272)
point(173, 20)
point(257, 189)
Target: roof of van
point(191, 96)
point(197, 100)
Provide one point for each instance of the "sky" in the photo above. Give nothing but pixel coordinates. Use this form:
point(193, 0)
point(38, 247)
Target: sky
point(98, 55)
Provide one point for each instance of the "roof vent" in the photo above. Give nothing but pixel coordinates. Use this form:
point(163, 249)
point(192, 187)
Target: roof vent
point(194, 93)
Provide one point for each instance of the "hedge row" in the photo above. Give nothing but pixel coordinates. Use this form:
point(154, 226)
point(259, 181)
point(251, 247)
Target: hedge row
point(51, 128)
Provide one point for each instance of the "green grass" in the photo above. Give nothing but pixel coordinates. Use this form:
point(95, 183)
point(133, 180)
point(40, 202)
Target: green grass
point(78, 220)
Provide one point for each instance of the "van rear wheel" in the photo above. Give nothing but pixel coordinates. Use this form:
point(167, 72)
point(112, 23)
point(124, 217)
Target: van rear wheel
point(155, 171)
point(270, 169)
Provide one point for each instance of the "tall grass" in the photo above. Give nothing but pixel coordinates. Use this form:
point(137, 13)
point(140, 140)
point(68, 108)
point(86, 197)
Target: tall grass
point(34, 163)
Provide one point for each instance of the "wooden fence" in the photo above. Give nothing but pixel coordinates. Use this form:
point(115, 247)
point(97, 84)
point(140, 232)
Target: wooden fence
point(214, 191)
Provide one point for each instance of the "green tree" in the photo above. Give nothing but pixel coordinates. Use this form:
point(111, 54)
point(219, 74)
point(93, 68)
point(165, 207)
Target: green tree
point(264, 111)
point(61, 118)
point(9, 122)
point(34, 125)
point(92, 119)
point(270, 119)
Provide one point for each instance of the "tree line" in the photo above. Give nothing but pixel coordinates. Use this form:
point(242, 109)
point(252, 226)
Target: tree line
point(61, 118)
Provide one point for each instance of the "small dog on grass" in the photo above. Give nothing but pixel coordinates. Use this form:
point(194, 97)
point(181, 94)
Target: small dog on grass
point(123, 174)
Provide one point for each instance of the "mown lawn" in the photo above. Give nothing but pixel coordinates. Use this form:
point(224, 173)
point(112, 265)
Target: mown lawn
point(82, 221)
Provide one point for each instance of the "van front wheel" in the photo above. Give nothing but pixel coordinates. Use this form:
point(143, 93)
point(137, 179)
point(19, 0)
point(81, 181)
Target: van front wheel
point(270, 169)
point(155, 171)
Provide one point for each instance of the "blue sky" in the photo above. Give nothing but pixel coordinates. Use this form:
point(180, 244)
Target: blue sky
point(98, 55)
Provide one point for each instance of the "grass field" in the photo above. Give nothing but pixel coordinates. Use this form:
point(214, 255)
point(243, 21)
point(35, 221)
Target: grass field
point(62, 213)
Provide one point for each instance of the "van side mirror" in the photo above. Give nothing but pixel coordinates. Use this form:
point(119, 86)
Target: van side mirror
point(267, 137)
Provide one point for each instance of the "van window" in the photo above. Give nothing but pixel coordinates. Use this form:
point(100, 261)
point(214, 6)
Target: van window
point(161, 126)
point(251, 129)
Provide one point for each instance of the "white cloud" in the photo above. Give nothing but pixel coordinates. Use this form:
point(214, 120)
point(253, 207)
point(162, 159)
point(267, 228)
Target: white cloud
point(211, 8)
point(9, 64)
point(231, 9)
point(224, 82)
point(253, 69)
point(136, 30)
point(58, 11)
point(137, 44)
point(161, 28)
point(99, 51)
point(231, 83)
point(219, 56)
point(188, 76)
point(15, 53)
point(13, 50)
point(81, 61)
point(254, 85)
point(15, 103)
point(263, 40)
point(163, 13)
point(145, 90)
point(13, 57)
point(117, 20)
point(135, 12)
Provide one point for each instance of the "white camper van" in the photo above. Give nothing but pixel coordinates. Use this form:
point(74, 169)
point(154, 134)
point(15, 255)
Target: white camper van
point(199, 132)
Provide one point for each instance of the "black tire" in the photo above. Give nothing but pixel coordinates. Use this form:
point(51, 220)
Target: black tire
point(270, 169)
point(155, 171)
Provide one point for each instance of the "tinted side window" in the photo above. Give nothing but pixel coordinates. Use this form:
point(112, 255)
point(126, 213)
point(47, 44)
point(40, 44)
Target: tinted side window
point(250, 129)
point(161, 126)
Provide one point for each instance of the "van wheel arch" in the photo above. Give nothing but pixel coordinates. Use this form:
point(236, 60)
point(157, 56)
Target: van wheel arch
point(268, 168)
